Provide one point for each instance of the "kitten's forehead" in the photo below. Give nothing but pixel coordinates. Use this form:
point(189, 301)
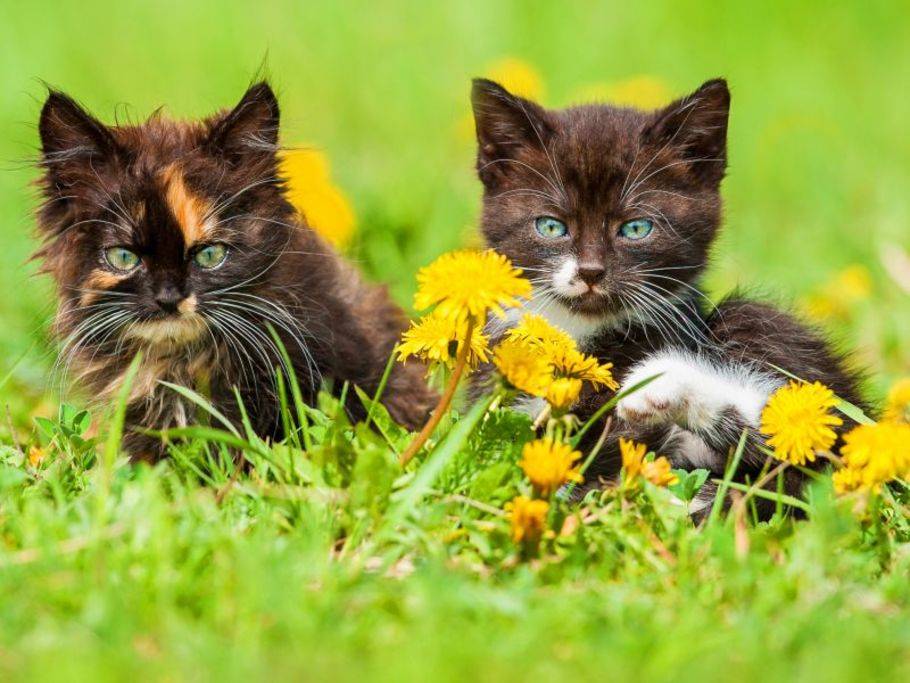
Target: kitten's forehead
point(598, 135)
point(160, 140)
point(595, 146)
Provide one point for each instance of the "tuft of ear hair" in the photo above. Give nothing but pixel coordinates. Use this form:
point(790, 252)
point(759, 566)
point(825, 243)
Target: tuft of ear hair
point(250, 129)
point(696, 127)
point(505, 124)
point(68, 131)
point(75, 146)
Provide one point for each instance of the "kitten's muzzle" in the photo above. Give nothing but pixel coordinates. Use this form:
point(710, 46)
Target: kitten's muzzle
point(169, 299)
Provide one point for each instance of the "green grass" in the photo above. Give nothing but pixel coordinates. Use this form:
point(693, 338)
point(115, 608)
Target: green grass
point(337, 565)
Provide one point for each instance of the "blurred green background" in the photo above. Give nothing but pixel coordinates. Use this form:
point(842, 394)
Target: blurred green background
point(818, 208)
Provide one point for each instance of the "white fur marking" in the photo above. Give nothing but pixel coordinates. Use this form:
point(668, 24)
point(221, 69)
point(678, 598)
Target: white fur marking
point(565, 279)
point(532, 406)
point(693, 391)
point(690, 448)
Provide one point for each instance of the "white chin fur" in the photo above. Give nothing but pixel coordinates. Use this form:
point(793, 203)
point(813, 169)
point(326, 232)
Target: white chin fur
point(176, 331)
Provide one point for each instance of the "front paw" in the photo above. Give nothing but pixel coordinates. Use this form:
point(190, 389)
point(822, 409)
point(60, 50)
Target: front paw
point(683, 390)
point(665, 400)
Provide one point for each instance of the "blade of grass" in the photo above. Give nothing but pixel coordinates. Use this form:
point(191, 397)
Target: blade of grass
point(728, 477)
point(203, 403)
point(299, 404)
point(382, 384)
point(12, 370)
point(770, 495)
point(439, 458)
point(114, 437)
point(203, 433)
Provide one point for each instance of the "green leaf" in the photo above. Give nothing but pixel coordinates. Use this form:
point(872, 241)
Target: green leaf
point(690, 482)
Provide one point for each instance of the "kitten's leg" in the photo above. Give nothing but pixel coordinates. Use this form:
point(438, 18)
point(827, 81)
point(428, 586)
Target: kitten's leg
point(707, 401)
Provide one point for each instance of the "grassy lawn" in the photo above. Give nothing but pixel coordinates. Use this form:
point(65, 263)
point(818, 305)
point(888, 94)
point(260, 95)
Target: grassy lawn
point(335, 564)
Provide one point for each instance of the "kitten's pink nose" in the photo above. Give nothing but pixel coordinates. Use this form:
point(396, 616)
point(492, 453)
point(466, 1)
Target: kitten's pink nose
point(591, 273)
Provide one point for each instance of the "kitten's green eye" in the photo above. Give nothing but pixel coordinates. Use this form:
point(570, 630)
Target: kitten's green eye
point(637, 229)
point(547, 226)
point(210, 256)
point(121, 259)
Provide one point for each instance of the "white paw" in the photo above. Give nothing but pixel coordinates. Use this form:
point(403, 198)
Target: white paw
point(692, 392)
point(665, 400)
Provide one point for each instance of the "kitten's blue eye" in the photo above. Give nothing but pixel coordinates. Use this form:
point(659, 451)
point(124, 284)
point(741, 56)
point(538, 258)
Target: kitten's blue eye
point(121, 259)
point(547, 226)
point(637, 229)
point(210, 256)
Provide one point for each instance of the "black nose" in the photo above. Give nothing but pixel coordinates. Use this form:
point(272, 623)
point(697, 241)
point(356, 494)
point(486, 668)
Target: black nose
point(591, 273)
point(168, 299)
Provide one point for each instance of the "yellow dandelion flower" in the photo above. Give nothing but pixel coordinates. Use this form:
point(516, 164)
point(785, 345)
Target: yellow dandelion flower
point(437, 339)
point(562, 393)
point(643, 92)
point(658, 472)
point(562, 352)
point(310, 189)
point(847, 479)
point(549, 464)
point(798, 421)
point(536, 331)
point(634, 465)
point(633, 458)
point(577, 365)
point(516, 76)
point(464, 284)
point(873, 455)
point(897, 408)
point(528, 518)
point(524, 367)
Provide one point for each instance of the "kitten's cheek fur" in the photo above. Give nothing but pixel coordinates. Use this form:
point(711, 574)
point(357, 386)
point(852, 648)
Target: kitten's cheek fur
point(693, 392)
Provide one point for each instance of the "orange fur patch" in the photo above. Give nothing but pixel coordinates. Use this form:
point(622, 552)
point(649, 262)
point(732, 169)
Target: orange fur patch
point(188, 209)
point(98, 280)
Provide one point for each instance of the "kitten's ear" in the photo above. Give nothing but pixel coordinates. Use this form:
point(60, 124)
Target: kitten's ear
point(71, 136)
point(696, 126)
point(250, 129)
point(505, 123)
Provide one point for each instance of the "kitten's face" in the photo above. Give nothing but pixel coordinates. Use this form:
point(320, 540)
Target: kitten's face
point(610, 211)
point(152, 229)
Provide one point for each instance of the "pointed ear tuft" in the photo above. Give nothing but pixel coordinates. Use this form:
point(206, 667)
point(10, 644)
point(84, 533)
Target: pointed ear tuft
point(250, 129)
point(505, 123)
point(68, 131)
point(696, 126)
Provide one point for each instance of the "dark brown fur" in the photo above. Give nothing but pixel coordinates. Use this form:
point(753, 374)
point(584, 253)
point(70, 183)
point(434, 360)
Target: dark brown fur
point(165, 189)
point(595, 167)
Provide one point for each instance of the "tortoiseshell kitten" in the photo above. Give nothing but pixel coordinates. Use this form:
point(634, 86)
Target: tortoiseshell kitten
point(175, 238)
point(612, 212)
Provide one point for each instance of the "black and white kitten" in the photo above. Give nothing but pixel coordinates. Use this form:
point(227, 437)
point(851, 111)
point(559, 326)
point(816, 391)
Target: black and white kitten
point(612, 212)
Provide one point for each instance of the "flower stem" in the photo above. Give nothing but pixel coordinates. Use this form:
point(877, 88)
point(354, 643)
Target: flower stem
point(445, 400)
